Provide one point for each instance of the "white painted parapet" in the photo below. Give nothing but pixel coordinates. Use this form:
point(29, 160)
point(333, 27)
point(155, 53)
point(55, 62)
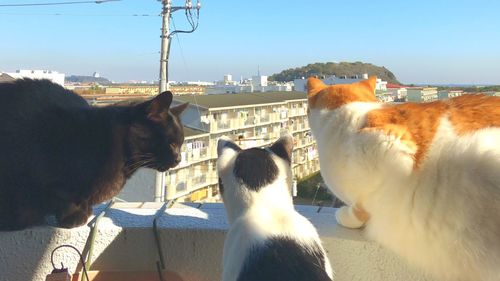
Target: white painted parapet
point(192, 240)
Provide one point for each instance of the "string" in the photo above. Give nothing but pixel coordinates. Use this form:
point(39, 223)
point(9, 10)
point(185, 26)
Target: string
point(79, 254)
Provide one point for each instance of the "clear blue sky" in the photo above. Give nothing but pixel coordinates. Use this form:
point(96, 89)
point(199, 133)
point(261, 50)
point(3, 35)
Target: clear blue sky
point(428, 41)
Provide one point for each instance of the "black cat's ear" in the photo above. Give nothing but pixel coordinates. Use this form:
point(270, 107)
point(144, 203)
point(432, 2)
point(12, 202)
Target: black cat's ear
point(177, 110)
point(225, 142)
point(283, 147)
point(158, 107)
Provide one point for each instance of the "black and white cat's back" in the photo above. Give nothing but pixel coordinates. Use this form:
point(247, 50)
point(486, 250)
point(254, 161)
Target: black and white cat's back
point(284, 258)
point(267, 239)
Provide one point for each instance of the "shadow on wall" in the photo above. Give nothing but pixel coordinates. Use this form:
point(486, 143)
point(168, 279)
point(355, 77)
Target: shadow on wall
point(191, 247)
point(25, 255)
point(124, 242)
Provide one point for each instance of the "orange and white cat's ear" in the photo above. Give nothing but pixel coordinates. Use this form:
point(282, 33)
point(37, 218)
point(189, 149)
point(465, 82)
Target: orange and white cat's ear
point(371, 83)
point(314, 86)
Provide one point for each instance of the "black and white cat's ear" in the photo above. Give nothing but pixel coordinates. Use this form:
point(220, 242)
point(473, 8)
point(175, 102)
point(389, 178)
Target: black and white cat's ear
point(157, 109)
point(225, 142)
point(178, 110)
point(283, 147)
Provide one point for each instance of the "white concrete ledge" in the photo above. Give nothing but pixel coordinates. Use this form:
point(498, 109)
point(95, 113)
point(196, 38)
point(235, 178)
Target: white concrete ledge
point(192, 241)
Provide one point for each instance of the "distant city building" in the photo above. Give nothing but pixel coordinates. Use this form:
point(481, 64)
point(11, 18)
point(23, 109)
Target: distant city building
point(228, 79)
point(492, 93)
point(301, 84)
point(131, 89)
point(194, 83)
point(386, 96)
point(51, 75)
point(257, 83)
point(153, 90)
point(96, 75)
point(398, 92)
point(424, 94)
point(442, 95)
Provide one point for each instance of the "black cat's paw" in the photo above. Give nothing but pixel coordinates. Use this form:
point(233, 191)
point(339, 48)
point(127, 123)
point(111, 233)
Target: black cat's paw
point(74, 220)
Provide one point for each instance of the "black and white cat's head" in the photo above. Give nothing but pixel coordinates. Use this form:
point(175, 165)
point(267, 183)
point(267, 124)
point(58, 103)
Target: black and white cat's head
point(255, 175)
point(156, 133)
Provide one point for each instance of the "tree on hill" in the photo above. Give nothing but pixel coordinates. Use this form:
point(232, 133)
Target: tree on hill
point(87, 79)
point(338, 69)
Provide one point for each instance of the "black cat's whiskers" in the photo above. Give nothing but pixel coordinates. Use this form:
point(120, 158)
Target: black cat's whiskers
point(135, 165)
point(139, 160)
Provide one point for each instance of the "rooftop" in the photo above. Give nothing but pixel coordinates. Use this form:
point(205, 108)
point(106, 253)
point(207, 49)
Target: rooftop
point(230, 100)
point(189, 132)
point(395, 86)
point(4, 77)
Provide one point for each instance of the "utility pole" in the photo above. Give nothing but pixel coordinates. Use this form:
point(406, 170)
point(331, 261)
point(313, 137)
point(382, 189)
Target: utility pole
point(166, 36)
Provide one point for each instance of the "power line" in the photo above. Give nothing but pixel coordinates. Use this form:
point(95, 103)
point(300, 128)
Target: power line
point(79, 15)
point(57, 3)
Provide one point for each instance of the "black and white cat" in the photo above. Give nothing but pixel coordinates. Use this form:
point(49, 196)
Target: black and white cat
point(267, 238)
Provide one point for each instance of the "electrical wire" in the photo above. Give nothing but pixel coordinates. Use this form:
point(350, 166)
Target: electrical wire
point(176, 33)
point(78, 15)
point(57, 3)
point(180, 47)
point(191, 21)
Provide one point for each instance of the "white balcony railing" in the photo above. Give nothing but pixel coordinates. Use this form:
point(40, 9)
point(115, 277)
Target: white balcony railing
point(191, 242)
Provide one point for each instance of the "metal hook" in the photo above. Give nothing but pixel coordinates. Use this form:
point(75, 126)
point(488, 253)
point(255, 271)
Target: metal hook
point(160, 265)
point(79, 254)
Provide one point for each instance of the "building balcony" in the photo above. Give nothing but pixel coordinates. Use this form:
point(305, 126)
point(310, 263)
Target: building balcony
point(249, 121)
point(192, 183)
point(263, 119)
point(197, 154)
point(298, 127)
point(191, 238)
point(297, 112)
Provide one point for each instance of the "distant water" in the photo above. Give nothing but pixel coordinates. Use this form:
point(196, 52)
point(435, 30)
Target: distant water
point(456, 85)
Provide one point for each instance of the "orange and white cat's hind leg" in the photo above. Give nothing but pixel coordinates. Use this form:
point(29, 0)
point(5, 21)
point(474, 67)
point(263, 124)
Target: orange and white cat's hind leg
point(351, 216)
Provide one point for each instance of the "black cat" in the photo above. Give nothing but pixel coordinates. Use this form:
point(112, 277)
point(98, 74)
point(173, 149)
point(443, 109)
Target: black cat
point(58, 155)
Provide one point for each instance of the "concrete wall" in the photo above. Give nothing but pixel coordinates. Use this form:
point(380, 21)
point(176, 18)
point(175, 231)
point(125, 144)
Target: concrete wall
point(192, 242)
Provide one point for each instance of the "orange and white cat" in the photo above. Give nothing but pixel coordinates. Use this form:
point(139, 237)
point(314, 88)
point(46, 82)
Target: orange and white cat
point(423, 179)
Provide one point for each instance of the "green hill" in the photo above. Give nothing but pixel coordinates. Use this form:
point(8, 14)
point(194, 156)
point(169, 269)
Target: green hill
point(87, 79)
point(338, 69)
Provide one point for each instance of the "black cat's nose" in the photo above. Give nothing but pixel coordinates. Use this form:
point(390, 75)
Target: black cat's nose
point(178, 159)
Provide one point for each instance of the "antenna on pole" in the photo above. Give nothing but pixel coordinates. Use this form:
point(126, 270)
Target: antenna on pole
point(166, 35)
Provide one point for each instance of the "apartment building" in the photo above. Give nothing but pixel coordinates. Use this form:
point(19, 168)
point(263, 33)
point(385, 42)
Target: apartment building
point(51, 75)
point(399, 92)
point(195, 177)
point(251, 119)
point(442, 95)
point(153, 90)
point(257, 83)
point(426, 94)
